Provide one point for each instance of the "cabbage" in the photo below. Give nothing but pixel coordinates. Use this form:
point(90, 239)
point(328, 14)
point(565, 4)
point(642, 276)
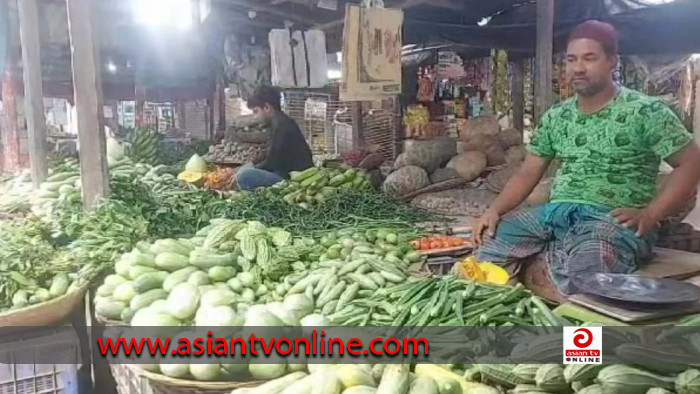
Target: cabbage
point(175, 370)
point(299, 304)
point(268, 371)
point(196, 164)
point(183, 301)
point(218, 297)
point(259, 316)
point(287, 316)
point(205, 371)
point(314, 320)
point(217, 316)
point(115, 151)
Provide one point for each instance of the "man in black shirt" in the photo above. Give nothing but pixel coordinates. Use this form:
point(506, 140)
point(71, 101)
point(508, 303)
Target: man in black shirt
point(287, 149)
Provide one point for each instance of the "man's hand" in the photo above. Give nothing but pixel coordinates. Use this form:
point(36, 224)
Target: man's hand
point(640, 219)
point(487, 222)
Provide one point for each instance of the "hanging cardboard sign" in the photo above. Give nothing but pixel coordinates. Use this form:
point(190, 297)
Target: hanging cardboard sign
point(298, 58)
point(372, 45)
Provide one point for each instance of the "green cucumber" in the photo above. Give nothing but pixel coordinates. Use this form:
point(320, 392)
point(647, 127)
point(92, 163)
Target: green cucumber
point(178, 277)
point(141, 301)
point(150, 281)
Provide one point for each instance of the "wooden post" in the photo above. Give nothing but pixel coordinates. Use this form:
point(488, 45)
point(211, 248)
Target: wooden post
point(10, 141)
point(113, 122)
point(140, 95)
point(91, 133)
point(518, 94)
point(543, 57)
point(212, 118)
point(356, 116)
point(181, 120)
point(221, 104)
point(33, 92)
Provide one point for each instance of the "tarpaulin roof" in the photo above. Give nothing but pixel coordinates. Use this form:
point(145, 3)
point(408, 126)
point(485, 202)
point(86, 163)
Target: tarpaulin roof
point(645, 29)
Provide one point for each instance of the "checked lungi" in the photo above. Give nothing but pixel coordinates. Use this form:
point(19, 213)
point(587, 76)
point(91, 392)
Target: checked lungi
point(574, 238)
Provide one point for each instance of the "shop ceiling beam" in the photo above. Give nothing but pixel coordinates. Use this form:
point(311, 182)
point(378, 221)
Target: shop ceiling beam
point(33, 91)
point(543, 56)
point(244, 20)
point(88, 101)
point(405, 5)
point(255, 5)
point(277, 2)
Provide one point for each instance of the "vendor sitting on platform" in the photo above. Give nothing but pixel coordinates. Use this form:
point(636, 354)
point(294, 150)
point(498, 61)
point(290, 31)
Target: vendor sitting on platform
point(603, 211)
point(287, 149)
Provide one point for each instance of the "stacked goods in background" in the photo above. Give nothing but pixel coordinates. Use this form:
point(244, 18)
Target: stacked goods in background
point(142, 146)
point(244, 142)
point(435, 173)
point(233, 152)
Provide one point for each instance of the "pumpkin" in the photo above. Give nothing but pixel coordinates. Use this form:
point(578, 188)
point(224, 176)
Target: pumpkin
point(481, 125)
point(469, 165)
point(510, 137)
point(489, 145)
point(405, 180)
point(428, 155)
point(443, 174)
point(220, 179)
point(191, 177)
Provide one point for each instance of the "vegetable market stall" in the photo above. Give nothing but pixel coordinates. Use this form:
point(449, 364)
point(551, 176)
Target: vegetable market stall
point(175, 254)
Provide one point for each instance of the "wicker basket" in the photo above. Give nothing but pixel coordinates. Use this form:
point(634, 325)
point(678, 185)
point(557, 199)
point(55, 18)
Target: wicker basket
point(131, 379)
point(44, 314)
point(108, 322)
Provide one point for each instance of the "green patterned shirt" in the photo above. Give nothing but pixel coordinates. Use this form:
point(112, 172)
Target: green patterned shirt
point(609, 158)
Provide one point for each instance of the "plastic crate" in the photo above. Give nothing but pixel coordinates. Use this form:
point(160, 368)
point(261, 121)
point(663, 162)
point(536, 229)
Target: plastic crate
point(21, 374)
point(128, 382)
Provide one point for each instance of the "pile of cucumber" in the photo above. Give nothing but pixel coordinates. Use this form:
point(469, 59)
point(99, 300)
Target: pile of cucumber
point(32, 292)
point(312, 186)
